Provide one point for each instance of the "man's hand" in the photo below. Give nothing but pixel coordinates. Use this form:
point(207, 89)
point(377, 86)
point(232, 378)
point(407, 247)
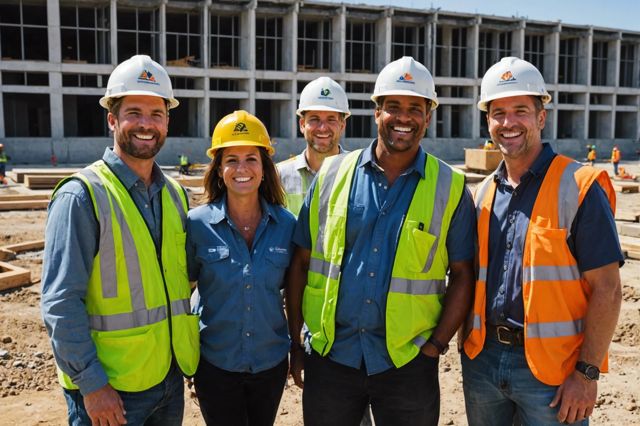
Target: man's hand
point(296, 365)
point(430, 350)
point(577, 397)
point(105, 407)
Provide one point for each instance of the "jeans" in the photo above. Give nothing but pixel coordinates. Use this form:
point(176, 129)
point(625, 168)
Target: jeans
point(498, 386)
point(615, 168)
point(336, 395)
point(161, 405)
point(237, 399)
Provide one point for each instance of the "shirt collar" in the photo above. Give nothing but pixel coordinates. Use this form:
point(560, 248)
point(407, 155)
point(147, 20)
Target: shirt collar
point(368, 158)
point(537, 169)
point(126, 175)
point(219, 210)
point(300, 162)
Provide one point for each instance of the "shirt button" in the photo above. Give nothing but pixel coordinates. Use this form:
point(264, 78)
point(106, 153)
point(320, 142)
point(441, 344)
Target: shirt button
point(248, 308)
point(368, 301)
point(248, 334)
point(379, 184)
point(501, 291)
point(372, 274)
point(375, 249)
point(509, 246)
point(146, 206)
point(505, 267)
point(248, 286)
point(512, 219)
point(385, 187)
point(362, 330)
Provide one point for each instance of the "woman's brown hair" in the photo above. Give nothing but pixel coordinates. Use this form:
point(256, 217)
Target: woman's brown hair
point(270, 187)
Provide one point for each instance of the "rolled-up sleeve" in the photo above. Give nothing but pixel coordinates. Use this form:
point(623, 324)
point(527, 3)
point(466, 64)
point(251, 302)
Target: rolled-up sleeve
point(71, 241)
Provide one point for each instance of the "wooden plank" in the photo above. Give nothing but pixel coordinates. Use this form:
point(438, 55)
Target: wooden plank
point(13, 276)
point(626, 187)
point(24, 205)
point(7, 254)
point(191, 181)
point(24, 197)
point(482, 159)
point(630, 229)
point(42, 181)
point(627, 216)
point(26, 246)
point(630, 254)
point(629, 243)
point(18, 174)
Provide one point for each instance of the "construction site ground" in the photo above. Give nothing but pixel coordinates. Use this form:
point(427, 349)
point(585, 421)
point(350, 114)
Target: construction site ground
point(30, 394)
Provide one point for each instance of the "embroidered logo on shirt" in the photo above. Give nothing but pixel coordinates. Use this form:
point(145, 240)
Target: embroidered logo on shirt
point(223, 250)
point(279, 250)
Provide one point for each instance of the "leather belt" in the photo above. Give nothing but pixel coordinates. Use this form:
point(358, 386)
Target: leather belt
point(506, 335)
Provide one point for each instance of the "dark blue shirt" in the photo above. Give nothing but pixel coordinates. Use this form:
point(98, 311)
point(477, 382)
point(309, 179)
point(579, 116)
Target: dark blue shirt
point(593, 240)
point(242, 322)
point(72, 234)
point(374, 221)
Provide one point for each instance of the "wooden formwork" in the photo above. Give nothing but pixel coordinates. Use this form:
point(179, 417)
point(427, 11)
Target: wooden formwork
point(13, 276)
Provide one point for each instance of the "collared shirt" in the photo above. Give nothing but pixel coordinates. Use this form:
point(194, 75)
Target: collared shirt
point(72, 235)
point(593, 240)
point(242, 322)
point(374, 220)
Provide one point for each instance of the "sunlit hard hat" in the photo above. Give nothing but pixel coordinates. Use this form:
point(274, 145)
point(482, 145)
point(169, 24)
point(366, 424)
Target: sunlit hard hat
point(240, 129)
point(405, 77)
point(512, 77)
point(323, 94)
point(139, 75)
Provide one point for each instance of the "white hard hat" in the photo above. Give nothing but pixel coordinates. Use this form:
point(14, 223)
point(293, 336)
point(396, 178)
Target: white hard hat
point(512, 77)
point(323, 94)
point(406, 77)
point(139, 75)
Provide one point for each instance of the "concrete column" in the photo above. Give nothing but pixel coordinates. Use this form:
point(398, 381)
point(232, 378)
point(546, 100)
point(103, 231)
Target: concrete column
point(384, 28)
point(162, 39)
point(339, 36)
point(517, 40)
point(290, 39)
point(53, 31)
point(204, 107)
point(113, 33)
point(551, 55)
point(429, 44)
point(2, 126)
point(475, 37)
point(248, 52)
point(585, 64)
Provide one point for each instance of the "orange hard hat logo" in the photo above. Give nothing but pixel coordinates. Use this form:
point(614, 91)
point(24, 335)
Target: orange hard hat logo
point(507, 76)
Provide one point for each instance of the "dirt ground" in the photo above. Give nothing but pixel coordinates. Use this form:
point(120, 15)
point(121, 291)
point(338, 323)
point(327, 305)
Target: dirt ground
point(30, 395)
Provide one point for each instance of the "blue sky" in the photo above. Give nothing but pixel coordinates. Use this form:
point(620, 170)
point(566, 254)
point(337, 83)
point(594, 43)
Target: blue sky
point(624, 14)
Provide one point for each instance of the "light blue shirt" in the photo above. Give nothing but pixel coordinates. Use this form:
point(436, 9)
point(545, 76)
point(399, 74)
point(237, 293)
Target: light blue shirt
point(242, 323)
point(374, 220)
point(71, 235)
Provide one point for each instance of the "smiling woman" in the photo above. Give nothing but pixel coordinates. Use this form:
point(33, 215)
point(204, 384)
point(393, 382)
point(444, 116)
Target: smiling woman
point(238, 250)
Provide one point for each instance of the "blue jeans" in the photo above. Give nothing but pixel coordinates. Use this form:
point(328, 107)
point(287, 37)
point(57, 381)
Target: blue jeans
point(161, 405)
point(337, 395)
point(499, 386)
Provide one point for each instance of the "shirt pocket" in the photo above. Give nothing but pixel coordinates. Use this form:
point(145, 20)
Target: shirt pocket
point(212, 254)
point(277, 262)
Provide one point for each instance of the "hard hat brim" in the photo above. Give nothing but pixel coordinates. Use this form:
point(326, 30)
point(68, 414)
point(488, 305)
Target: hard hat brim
point(299, 111)
point(434, 102)
point(482, 105)
point(211, 152)
point(104, 101)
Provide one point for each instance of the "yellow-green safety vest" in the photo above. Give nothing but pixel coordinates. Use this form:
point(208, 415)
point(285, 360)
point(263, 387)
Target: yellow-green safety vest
point(417, 287)
point(137, 299)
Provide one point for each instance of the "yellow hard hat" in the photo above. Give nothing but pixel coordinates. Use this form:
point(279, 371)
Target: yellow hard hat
point(240, 129)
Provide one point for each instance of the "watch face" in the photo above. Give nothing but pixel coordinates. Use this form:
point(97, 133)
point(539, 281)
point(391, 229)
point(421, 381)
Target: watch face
point(591, 373)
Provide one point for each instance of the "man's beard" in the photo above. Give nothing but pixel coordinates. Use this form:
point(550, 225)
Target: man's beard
point(143, 152)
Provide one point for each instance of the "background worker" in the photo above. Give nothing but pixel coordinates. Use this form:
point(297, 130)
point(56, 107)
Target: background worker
point(238, 250)
point(615, 159)
point(323, 112)
point(184, 164)
point(376, 235)
point(3, 164)
point(115, 293)
point(591, 156)
point(548, 289)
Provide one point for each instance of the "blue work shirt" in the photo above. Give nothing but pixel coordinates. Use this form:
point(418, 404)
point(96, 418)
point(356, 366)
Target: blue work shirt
point(374, 220)
point(72, 235)
point(593, 240)
point(242, 323)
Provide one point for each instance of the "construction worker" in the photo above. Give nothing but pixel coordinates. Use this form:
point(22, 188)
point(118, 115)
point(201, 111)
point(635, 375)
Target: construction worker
point(238, 250)
point(615, 159)
point(323, 112)
point(184, 164)
point(377, 233)
point(3, 164)
point(115, 292)
point(548, 291)
point(488, 145)
point(591, 156)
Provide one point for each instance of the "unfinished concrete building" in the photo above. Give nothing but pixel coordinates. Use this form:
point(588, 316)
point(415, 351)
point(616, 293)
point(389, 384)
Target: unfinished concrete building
point(56, 56)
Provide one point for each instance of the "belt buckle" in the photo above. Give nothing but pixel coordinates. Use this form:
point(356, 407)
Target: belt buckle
point(504, 341)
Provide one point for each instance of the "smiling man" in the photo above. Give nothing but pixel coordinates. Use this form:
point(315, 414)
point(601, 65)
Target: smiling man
point(323, 112)
point(548, 291)
point(115, 294)
point(378, 232)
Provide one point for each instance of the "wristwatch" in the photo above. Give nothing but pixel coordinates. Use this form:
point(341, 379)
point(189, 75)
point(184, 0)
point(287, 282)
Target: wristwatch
point(442, 349)
point(589, 371)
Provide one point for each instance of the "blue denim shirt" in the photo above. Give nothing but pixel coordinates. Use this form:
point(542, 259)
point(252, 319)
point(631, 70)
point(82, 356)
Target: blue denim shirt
point(593, 240)
point(242, 322)
point(374, 219)
point(71, 236)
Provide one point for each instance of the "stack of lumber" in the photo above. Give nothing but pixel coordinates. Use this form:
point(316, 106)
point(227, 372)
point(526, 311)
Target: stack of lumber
point(628, 226)
point(14, 276)
point(23, 202)
point(629, 187)
point(191, 181)
point(482, 160)
point(18, 174)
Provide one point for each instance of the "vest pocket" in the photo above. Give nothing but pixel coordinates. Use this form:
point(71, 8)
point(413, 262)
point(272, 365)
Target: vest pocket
point(544, 243)
point(312, 302)
point(420, 258)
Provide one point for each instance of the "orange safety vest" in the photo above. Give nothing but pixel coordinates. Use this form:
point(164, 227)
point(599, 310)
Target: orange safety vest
point(555, 295)
point(615, 156)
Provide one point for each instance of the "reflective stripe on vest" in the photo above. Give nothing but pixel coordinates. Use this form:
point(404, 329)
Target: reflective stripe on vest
point(554, 294)
point(414, 287)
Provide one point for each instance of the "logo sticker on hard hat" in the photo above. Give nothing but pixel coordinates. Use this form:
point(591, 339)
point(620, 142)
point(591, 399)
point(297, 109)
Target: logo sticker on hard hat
point(325, 93)
point(240, 128)
point(406, 78)
point(506, 78)
point(148, 78)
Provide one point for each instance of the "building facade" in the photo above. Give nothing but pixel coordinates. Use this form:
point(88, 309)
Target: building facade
point(56, 56)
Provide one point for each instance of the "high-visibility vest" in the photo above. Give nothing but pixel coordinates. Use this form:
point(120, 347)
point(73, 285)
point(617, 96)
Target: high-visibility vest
point(555, 295)
point(3, 158)
point(417, 287)
point(137, 299)
point(615, 156)
point(294, 182)
point(184, 160)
